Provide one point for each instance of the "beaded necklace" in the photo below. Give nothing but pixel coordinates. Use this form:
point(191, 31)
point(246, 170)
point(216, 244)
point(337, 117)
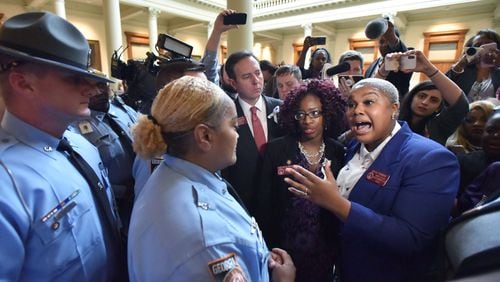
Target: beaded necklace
point(313, 159)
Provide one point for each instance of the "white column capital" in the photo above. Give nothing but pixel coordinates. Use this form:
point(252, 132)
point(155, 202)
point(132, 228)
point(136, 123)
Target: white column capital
point(153, 12)
point(307, 29)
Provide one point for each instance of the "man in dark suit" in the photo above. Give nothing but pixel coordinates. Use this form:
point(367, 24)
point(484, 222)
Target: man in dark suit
point(383, 30)
point(246, 77)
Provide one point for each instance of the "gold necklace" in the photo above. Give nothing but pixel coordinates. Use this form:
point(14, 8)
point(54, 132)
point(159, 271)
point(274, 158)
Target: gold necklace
point(313, 159)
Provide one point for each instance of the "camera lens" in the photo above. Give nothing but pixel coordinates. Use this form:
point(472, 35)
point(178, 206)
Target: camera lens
point(471, 51)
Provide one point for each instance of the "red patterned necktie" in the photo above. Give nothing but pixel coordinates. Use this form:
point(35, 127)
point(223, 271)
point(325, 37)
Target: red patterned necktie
point(258, 131)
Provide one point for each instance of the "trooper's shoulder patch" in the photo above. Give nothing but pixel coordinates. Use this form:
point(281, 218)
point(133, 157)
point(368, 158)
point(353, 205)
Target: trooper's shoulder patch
point(226, 269)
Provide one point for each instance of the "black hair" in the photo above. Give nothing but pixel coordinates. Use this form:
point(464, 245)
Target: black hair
point(406, 113)
point(313, 54)
point(266, 65)
point(234, 58)
point(333, 106)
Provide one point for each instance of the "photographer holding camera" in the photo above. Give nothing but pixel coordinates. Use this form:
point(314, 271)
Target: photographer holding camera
point(477, 72)
point(433, 108)
point(387, 35)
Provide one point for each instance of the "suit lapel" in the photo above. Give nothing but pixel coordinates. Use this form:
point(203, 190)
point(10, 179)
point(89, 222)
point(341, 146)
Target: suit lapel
point(273, 129)
point(386, 164)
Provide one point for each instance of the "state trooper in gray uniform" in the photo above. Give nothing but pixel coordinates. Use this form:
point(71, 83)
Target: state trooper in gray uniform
point(57, 221)
point(108, 128)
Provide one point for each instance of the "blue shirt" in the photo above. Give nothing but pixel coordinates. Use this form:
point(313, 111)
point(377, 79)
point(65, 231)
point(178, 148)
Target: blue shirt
point(115, 156)
point(42, 239)
point(186, 226)
point(209, 60)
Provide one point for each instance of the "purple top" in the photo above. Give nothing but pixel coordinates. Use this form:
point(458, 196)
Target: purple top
point(306, 239)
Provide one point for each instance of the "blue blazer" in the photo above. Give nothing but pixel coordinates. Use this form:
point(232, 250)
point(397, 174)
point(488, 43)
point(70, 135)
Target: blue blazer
point(391, 229)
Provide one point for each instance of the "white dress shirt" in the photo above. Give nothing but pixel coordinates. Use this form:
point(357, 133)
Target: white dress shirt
point(360, 162)
point(261, 113)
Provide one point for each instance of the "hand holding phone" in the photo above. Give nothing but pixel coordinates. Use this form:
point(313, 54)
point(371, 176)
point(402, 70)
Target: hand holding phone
point(408, 62)
point(391, 63)
point(403, 62)
point(321, 40)
point(350, 79)
point(235, 19)
point(488, 55)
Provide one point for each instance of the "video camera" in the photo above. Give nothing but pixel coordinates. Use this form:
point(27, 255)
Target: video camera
point(140, 75)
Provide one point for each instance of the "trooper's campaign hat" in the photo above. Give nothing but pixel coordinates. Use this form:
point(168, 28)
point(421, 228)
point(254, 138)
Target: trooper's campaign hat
point(43, 37)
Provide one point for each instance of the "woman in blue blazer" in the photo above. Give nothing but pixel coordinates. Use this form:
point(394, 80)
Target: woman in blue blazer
point(394, 194)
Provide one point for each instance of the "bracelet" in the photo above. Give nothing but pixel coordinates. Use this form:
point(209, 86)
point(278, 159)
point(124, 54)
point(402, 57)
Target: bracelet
point(433, 74)
point(380, 73)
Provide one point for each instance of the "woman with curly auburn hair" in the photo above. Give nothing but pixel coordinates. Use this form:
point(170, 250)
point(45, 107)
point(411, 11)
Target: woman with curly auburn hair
point(307, 231)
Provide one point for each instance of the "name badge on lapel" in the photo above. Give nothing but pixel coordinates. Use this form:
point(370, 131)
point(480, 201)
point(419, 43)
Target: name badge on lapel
point(377, 177)
point(241, 121)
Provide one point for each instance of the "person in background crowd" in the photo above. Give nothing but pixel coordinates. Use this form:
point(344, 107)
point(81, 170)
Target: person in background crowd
point(225, 83)
point(57, 217)
point(387, 36)
point(210, 58)
point(185, 225)
point(268, 70)
point(477, 79)
point(355, 60)
point(257, 124)
point(474, 163)
point(484, 187)
point(305, 230)
point(108, 128)
point(391, 173)
point(169, 71)
point(468, 136)
point(433, 108)
point(319, 57)
point(287, 77)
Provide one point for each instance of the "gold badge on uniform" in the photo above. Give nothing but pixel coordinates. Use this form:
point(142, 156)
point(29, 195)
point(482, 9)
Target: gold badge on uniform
point(226, 269)
point(85, 127)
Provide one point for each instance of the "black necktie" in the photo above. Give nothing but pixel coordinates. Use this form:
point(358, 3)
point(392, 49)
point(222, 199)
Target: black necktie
point(104, 207)
point(122, 135)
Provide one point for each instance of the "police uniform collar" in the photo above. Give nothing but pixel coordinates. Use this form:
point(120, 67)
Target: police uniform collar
point(28, 134)
point(197, 174)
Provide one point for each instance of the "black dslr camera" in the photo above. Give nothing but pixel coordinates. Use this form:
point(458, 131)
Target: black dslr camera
point(140, 75)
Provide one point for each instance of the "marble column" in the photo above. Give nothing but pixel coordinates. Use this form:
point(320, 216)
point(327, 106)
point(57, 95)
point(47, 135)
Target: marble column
point(113, 28)
point(241, 38)
point(153, 28)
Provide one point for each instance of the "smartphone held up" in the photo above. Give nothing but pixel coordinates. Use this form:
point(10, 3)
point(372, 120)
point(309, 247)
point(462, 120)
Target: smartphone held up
point(235, 19)
point(406, 62)
point(321, 40)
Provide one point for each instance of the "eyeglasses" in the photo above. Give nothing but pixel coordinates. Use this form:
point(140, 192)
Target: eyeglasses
point(300, 115)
